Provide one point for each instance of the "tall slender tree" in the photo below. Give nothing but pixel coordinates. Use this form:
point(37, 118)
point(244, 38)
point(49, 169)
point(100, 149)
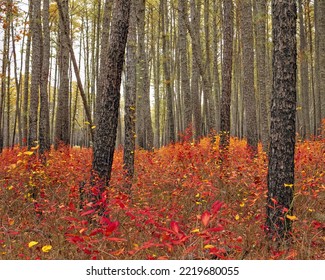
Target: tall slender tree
point(228, 32)
point(261, 17)
point(62, 125)
point(320, 61)
point(130, 97)
point(36, 29)
point(248, 74)
point(283, 116)
point(107, 106)
point(44, 122)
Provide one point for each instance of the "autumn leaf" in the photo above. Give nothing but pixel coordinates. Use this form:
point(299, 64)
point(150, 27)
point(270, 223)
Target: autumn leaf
point(174, 226)
point(29, 153)
point(32, 243)
point(216, 206)
point(205, 218)
point(292, 218)
point(208, 246)
point(237, 217)
point(46, 248)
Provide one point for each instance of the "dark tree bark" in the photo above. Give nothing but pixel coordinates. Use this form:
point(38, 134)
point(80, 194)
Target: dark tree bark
point(226, 73)
point(36, 73)
point(109, 98)
point(283, 115)
point(44, 122)
point(62, 126)
point(130, 97)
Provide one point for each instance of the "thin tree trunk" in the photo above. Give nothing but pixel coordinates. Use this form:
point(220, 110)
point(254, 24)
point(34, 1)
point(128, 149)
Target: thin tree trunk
point(44, 122)
point(130, 97)
point(248, 74)
point(169, 92)
point(261, 15)
point(226, 74)
point(26, 83)
point(36, 73)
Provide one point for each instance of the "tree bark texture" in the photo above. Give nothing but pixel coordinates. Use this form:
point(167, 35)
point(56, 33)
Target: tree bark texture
point(62, 126)
point(107, 108)
point(283, 113)
point(261, 15)
point(226, 73)
point(44, 122)
point(320, 58)
point(248, 74)
point(36, 73)
point(130, 96)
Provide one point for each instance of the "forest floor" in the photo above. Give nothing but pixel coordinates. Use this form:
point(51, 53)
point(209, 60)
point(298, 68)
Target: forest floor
point(183, 205)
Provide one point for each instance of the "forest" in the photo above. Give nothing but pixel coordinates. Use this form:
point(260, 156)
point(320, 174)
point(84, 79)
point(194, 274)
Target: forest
point(162, 129)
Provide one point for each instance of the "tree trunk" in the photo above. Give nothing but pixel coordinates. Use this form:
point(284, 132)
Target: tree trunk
point(108, 107)
point(36, 73)
point(226, 73)
point(26, 83)
point(320, 60)
point(62, 127)
point(248, 74)
point(169, 91)
point(261, 15)
point(185, 81)
point(283, 113)
point(44, 123)
point(145, 133)
point(130, 97)
point(304, 82)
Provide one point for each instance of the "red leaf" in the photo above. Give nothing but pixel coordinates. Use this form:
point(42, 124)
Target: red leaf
point(174, 226)
point(205, 218)
point(216, 207)
point(215, 229)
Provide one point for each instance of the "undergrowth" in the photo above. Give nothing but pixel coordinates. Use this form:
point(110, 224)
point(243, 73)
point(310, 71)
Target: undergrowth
point(183, 205)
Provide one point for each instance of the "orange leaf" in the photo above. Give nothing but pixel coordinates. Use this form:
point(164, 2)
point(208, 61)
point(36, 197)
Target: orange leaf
point(205, 218)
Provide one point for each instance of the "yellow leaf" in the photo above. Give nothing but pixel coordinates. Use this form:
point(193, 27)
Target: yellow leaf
point(292, 218)
point(198, 203)
point(288, 185)
point(29, 153)
point(86, 122)
point(311, 210)
point(93, 127)
point(46, 248)
point(11, 221)
point(10, 188)
point(34, 148)
point(208, 246)
point(195, 230)
point(237, 217)
point(197, 195)
point(242, 204)
point(32, 243)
